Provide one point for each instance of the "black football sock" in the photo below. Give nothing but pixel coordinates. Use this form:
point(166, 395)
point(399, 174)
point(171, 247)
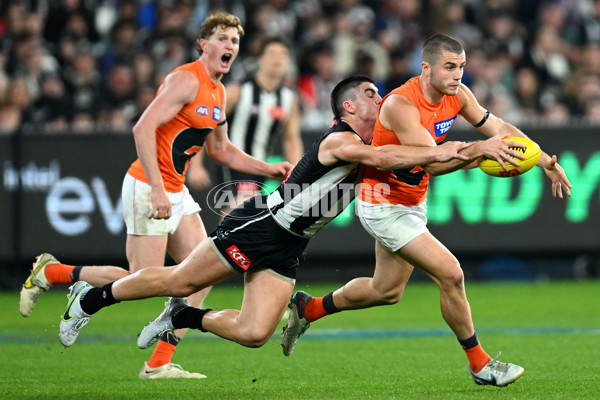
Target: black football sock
point(75, 273)
point(170, 338)
point(469, 343)
point(189, 317)
point(328, 304)
point(97, 298)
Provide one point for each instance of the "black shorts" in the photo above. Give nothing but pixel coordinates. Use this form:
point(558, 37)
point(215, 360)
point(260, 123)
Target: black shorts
point(249, 238)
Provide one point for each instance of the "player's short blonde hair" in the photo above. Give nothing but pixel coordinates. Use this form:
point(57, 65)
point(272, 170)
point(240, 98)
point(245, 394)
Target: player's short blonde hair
point(220, 19)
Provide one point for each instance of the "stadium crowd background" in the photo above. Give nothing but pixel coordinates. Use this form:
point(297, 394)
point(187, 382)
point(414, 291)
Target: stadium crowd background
point(93, 66)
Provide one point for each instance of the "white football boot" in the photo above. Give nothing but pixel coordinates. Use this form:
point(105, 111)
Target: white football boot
point(74, 318)
point(296, 325)
point(162, 324)
point(36, 284)
point(497, 373)
point(168, 371)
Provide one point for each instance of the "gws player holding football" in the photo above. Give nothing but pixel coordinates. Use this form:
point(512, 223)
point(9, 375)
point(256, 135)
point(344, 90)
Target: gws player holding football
point(419, 113)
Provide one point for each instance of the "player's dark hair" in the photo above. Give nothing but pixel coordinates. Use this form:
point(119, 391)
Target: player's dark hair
point(436, 44)
point(273, 39)
point(222, 19)
point(345, 91)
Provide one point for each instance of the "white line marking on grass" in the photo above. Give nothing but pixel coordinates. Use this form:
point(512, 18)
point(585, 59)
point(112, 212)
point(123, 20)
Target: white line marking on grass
point(319, 334)
point(328, 334)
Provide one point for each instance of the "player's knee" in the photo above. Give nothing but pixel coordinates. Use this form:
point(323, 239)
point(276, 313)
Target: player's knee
point(254, 337)
point(453, 277)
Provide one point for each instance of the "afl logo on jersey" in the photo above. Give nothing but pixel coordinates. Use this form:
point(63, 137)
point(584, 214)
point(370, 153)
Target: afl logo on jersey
point(202, 111)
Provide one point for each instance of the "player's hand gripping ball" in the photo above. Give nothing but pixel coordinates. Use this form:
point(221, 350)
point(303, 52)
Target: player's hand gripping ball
point(532, 154)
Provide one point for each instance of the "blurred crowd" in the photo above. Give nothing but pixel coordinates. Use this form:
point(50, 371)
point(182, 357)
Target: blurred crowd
point(94, 65)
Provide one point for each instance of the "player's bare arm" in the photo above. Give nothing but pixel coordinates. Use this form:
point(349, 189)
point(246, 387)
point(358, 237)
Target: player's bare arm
point(346, 146)
point(292, 142)
point(233, 95)
point(222, 150)
point(494, 126)
point(485, 122)
point(177, 90)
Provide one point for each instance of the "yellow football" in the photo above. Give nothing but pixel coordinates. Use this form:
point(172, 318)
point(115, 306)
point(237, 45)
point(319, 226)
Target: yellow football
point(532, 154)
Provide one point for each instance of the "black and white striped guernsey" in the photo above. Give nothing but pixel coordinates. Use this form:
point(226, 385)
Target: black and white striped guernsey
point(314, 194)
point(258, 116)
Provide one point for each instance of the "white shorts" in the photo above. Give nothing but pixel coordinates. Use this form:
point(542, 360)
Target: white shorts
point(393, 225)
point(137, 206)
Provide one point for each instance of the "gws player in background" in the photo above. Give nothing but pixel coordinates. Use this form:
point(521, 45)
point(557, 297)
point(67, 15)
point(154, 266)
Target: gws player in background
point(186, 114)
point(419, 114)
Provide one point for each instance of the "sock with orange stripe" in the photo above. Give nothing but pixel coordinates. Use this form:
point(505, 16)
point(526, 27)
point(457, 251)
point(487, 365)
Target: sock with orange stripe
point(62, 273)
point(163, 352)
point(478, 358)
point(318, 307)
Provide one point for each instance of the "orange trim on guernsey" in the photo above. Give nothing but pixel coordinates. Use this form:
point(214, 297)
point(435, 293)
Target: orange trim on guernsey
point(409, 186)
point(174, 150)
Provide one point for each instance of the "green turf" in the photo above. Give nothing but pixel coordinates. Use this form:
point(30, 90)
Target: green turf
point(397, 352)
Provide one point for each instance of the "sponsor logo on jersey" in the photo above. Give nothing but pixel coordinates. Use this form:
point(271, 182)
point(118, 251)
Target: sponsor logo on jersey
point(238, 257)
point(202, 111)
point(216, 113)
point(442, 127)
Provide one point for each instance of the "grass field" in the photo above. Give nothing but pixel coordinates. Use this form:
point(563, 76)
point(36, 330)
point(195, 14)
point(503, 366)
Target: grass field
point(397, 352)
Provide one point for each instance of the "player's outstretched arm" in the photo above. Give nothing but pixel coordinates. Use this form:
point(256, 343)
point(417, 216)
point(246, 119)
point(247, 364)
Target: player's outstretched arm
point(346, 146)
point(495, 148)
point(391, 156)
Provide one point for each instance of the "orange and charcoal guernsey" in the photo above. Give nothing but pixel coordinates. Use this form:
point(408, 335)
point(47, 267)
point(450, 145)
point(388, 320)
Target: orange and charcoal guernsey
point(407, 186)
point(184, 135)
